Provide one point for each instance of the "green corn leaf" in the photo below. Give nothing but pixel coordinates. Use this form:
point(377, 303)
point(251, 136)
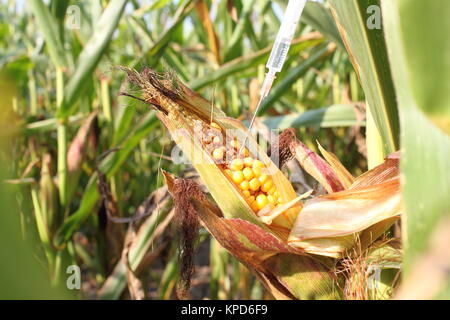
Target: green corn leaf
point(247, 62)
point(117, 281)
point(109, 166)
point(173, 60)
point(91, 55)
point(236, 38)
point(294, 74)
point(426, 56)
point(49, 27)
point(123, 120)
point(169, 277)
point(425, 157)
point(48, 125)
point(156, 51)
point(367, 50)
point(319, 17)
point(332, 116)
point(59, 8)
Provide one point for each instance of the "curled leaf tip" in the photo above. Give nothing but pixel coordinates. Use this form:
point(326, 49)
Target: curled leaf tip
point(312, 163)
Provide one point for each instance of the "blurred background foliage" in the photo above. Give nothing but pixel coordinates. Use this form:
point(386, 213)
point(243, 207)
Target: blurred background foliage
point(80, 160)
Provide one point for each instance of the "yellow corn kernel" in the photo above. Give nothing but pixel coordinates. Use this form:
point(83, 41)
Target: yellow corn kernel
point(250, 199)
point(257, 172)
point(245, 152)
point(263, 178)
point(244, 185)
point(254, 206)
point(258, 164)
point(218, 153)
point(272, 190)
point(254, 184)
point(248, 173)
point(238, 177)
point(275, 194)
point(267, 186)
point(248, 162)
point(237, 164)
point(262, 201)
point(246, 193)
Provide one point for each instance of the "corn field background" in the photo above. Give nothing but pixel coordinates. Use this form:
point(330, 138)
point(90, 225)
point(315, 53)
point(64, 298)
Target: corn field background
point(81, 180)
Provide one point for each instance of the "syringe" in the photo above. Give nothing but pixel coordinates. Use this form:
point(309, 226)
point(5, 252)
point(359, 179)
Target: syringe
point(280, 49)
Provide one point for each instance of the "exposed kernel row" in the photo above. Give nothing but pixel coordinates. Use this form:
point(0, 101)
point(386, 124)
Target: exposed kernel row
point(246, 172)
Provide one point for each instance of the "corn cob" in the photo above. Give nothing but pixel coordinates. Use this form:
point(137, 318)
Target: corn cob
point(247, 185)
point(244, 182)
point(248, 174)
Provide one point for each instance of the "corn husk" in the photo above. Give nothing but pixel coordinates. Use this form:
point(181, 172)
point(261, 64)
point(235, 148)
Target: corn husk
point(48, 193)
point(328, 225)
point(78, 151)
point(287, 272)
point(318, 168)
point(345, 177)
point(181, 110)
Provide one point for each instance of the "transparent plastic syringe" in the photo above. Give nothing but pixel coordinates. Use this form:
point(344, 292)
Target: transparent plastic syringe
point(280, 49)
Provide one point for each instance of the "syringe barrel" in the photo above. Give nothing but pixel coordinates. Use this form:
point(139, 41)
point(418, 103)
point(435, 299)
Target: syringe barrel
point(291, 18)
point(278, 55)
point(285, 34)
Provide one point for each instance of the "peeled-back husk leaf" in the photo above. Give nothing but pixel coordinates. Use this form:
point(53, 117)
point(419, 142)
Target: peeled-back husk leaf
point(270, 216)
point(318, 168)
point(286, 268)
point(305, 277)
point(384, 172)
point(328, 225)
point(287, 272)
point(345, 177)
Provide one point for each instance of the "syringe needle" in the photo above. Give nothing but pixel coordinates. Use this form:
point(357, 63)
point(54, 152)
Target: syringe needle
point(251, 124)
point(265, 88)
point(279, 52)
point(254, 114)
